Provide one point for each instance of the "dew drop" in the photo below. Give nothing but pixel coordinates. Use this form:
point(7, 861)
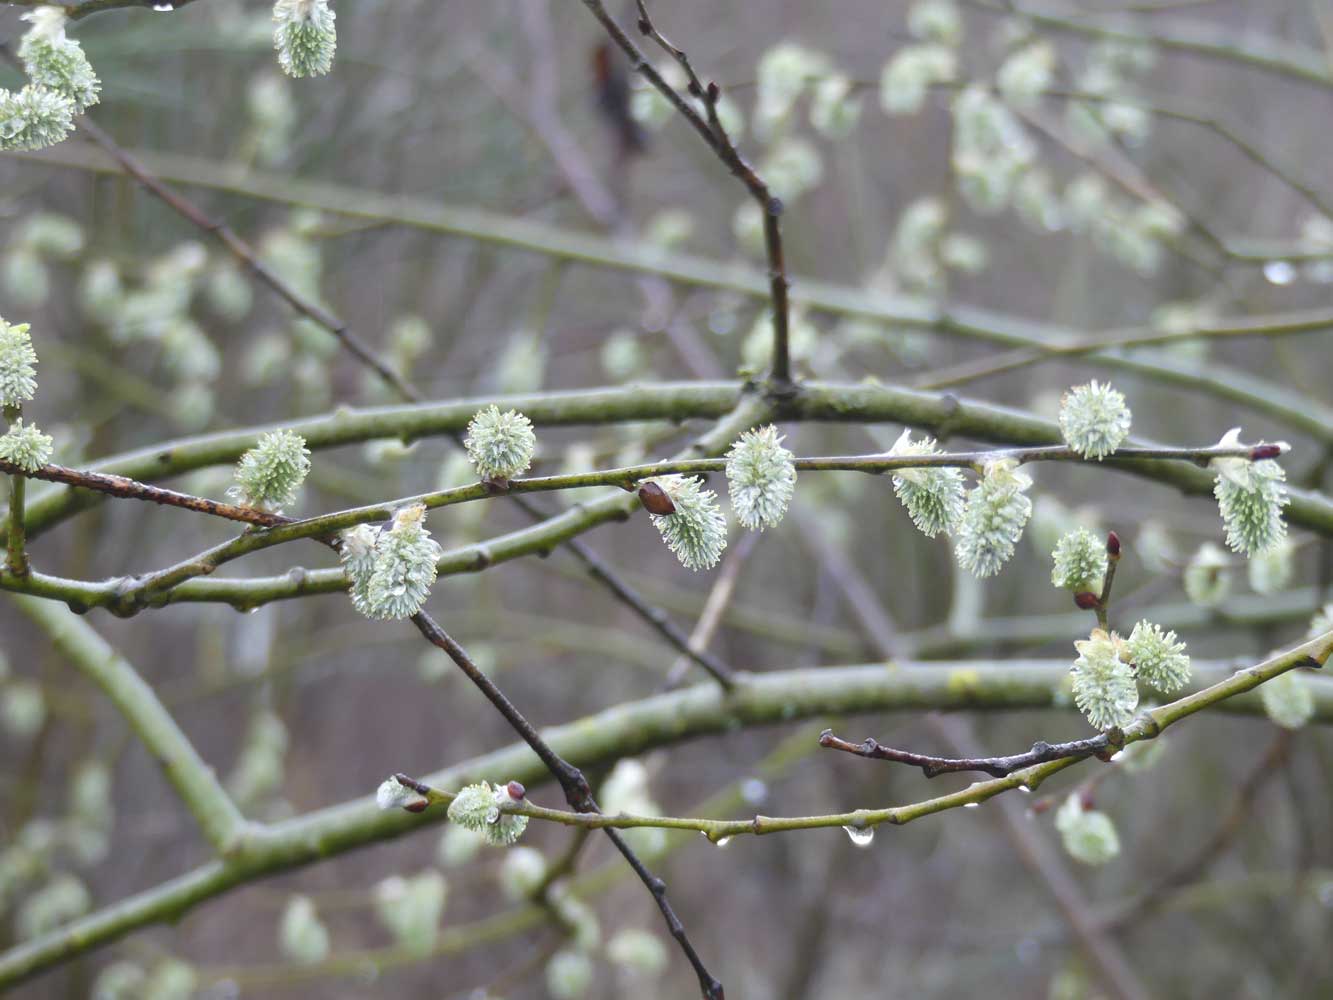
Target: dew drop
point(860, 836)
point(162, 8)
point(1279, 272)
point(971, 805)
point(1026, 790)
point(722, 841)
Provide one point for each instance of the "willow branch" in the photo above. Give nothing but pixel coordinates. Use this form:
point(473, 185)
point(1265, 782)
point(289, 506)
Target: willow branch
point(389, 375)
point(998, 767)
point(577, 791)
point(710, 128)
point(128, 596)
point(1310, 415)
point(1039, 765)
point(193, 780)
point(631, 729)
point(76, 9)
point(1297, 62)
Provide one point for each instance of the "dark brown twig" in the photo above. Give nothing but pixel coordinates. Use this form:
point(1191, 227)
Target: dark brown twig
point(1102, 746)
point(710, 128)
point(575, 786)
point(131, 489)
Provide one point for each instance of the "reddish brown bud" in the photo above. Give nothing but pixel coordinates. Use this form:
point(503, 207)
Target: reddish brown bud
point(416, 806)
point(1086, 600)
point(655, 499)
point(1262, 451)
point(1113, 545)
point(516, 791)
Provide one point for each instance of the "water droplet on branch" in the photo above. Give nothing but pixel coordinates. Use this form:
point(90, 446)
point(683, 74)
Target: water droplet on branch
point(860, 836)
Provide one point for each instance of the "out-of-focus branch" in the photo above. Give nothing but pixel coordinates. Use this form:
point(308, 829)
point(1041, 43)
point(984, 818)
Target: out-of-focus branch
point(631, 729)
point(76, 9)
point(710, 127)
point(1311, 416)
point(194, 781)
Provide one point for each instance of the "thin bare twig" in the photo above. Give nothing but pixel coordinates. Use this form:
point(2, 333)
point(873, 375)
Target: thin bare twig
point(1101, 746)
point(710, 128)
point(575, 786)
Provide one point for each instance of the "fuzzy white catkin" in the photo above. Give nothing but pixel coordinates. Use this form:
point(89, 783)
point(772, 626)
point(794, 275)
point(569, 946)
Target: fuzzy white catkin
point(393, 794)
point(761, 477)
point(301, 934)
point(1250, 497)
point(1080, 561)
point(522, 872)
point(410, 908)
point(569, 975)
point(170, 979)
point(18, 375)
point(305, 36)
point(404, 567)
point(1287, 700)
point(1094, 419)
point(933, 496)
point(639, 950)
point(993, 519)
point(270, 474)
point(1103, 683)
point(1088, 835)
point(121, 980)
point(1251, 507)
point(356, 551)
point(477, 807)
point(57, 62)
point(1160, 660)
point(500, 444)
point(697, 532)
point(1207, 577)
point(25, 446)
point(34, 118)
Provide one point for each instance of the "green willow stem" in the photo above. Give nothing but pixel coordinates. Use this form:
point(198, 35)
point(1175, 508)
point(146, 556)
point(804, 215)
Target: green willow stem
point(636, 256)
point(16, 538)
point(1298, 62)
point(633, 728)
point(194, 781)
point(942, 414)
point(146, 590)
point(1147, 726)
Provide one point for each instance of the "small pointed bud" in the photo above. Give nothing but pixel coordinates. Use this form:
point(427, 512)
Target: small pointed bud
point(1262, 451)
point(1086, 600)
point(655, 499)
point(1113, 545)
point(416, 806)
point(516, 791)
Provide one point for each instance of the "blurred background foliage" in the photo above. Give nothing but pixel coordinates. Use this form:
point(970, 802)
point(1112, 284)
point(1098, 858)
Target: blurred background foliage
point(956, 155)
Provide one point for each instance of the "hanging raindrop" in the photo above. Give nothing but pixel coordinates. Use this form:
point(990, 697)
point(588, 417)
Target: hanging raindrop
point(860, 836)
